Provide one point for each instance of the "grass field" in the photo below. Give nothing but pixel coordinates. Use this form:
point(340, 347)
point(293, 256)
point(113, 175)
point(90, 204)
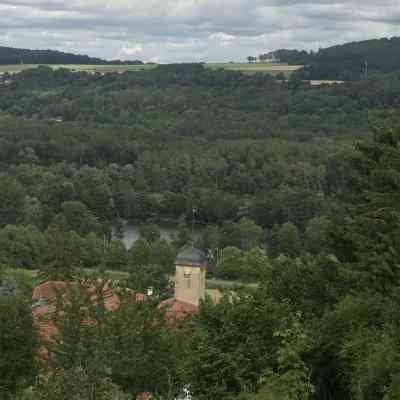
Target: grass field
point(272, 69)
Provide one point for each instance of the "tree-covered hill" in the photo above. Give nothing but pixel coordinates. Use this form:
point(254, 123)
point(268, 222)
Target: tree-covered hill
point(164, 141)
point(347, 61)
point(11, 56)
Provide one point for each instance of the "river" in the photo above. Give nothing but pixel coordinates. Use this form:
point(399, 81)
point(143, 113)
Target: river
point(168, 232)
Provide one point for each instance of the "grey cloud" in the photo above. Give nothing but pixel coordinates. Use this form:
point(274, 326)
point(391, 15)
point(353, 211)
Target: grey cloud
point(185, 30)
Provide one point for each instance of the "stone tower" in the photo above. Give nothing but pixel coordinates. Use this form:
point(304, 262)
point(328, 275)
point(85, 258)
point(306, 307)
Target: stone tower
point(190, 275)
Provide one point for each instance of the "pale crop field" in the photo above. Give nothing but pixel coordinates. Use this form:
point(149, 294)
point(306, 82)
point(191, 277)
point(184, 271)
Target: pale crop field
point(272, 69)
point(87, 68)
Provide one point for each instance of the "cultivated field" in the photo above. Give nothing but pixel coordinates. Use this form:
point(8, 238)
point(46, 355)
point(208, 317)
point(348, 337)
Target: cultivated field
point(88, 68)
point(272, 69)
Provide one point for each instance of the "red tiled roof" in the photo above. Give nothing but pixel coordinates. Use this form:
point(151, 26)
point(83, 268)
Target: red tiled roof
point(144, 396)
point(176, 310)
point(49, 291)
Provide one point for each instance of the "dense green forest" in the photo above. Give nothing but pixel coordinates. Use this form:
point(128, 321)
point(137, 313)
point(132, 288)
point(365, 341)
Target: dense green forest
point(11, 56)
point(347, 61)
point(296, 188)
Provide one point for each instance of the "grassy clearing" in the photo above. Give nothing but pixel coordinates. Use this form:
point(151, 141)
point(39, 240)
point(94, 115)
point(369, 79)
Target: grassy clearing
point(272, 69)
point(15, 68)
point(220, 284)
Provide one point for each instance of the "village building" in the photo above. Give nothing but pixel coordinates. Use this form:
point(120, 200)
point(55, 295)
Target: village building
point(190, 284)
point(190, 291)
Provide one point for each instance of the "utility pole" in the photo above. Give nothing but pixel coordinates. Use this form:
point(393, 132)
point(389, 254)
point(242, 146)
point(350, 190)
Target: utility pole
point(366, 70)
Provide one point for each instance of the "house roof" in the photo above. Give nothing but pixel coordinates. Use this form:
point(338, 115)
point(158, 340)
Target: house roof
point(45, 297)
point(191, 256)
point(177, 310)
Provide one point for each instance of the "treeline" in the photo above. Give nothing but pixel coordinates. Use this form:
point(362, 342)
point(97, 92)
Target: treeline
point(12, 56)
point(196, 102)
point(349, 61)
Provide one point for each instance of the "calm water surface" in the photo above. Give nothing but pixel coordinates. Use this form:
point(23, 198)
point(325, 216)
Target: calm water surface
point(168, 232)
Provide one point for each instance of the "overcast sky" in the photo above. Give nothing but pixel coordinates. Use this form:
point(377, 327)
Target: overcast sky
point(192, 30)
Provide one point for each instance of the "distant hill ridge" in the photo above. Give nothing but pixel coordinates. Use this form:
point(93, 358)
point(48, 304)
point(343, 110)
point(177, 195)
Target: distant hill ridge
point(11, 56)
point(349, 61)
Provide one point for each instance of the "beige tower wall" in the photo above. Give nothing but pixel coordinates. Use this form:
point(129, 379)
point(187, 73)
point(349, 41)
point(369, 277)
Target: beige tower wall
point(190, 284)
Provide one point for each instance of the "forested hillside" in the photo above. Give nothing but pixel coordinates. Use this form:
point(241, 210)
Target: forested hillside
point(347, 61)
point(156, 144)
point(295, 188)
point(11, 56)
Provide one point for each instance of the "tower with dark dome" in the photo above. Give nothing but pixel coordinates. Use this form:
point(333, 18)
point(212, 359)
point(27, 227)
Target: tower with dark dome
point(190, 275)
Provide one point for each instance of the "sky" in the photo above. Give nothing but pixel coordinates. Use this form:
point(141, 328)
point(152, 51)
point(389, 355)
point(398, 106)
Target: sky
point(192, 30)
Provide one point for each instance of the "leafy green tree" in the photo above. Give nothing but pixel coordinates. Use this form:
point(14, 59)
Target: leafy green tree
point(12, 196)
point(77, 383)
point(34, 213)
point(79, 218)
point(292, 379)
point(139, 253)
point(312, 284)
point(232, 345)
point(146, 353)
point(256, 265)
point(93, 251)
point(230, 235)
point(145, 276)
point(316, 235)
point(18, 346)
point(251, 234)
point(21, 246)
point(116, 256)
point(150, 232)
point(163, 254)
point(230, 265)
point(93, 190)
point(285, 240)
point(347, 362)
point(63, 252)
point(211, 238)
point(183, 235)
point(368, 240)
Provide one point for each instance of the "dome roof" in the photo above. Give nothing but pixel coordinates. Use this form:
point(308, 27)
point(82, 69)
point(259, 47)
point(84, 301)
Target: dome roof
point(192, 257)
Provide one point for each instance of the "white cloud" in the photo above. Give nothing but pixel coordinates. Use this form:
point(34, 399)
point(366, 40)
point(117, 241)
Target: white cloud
point(132, 50)
point(192, 30)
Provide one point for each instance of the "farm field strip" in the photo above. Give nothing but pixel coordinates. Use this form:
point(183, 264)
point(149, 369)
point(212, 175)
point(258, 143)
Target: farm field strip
point(245, 68)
